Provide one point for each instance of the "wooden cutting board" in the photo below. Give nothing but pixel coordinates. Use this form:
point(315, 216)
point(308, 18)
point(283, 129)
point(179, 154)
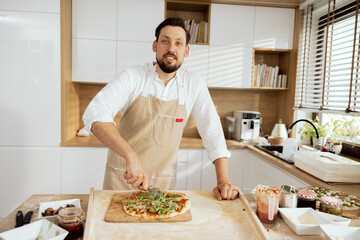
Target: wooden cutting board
point(116, 213)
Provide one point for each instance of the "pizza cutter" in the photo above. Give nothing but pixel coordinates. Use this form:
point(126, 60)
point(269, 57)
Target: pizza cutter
point(155, 191)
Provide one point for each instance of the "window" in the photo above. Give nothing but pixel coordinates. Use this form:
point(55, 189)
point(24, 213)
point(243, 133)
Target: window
point(329, 57)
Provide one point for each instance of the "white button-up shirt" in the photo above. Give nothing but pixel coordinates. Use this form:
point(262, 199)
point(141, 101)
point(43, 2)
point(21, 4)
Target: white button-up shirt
point(119, 94)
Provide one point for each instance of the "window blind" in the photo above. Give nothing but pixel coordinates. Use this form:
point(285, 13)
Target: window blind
point(328, 66)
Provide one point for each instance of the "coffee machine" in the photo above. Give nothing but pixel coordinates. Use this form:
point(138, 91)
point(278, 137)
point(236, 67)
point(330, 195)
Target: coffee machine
point(247, 125)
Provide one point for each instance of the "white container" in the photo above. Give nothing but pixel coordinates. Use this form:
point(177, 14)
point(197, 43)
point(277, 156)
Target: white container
point(55, 205)
point(328, 167)
point(42, 229)
point(290, 146)
point(341, 232)
point(294, 218)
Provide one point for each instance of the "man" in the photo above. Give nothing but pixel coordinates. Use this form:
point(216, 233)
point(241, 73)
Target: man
point(155, 101)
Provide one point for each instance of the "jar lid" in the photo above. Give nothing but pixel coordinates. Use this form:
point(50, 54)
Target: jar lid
point(333, 201)
point(309, 194)
point(71, 215)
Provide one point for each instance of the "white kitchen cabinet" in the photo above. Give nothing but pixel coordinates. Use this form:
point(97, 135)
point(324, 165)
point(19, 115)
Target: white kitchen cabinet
point(94, 19)
point(182, 169)
point(189, 169)
point(25, 171)
point(258, 171)
point(82, 169)
point(232, 25)
point(45, 6)
point(194, 169)
point(274, 27)
point(236, 169)
point(198, 60)
point(138, 19)
point(30, 76)
point(93, 60)
point(130, 54)
point(230, 66)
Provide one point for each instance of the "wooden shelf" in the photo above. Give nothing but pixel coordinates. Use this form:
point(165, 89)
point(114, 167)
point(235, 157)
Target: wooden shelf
point(271, 57)
point(196, 10)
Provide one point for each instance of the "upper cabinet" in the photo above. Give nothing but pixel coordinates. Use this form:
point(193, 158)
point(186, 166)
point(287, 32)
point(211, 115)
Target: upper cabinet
point(94, 19)
point(274, 27)
point(231, 40)
point(30, 76)
point(111, 35)
point(232, 25)
point(48, 6)
point(137, 20)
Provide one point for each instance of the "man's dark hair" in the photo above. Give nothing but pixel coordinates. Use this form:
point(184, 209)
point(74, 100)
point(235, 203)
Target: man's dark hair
point(176, 22)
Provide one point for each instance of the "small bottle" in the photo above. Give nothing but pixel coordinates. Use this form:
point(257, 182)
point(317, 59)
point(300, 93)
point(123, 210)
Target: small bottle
point(306, 198)
point(331, 205)
point(72, 220)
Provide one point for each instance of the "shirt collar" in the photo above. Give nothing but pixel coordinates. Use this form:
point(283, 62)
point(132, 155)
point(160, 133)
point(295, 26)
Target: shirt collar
point(177, 78)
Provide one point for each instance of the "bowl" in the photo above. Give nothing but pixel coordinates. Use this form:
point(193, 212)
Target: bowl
point(55, 205)
point(42, 229)
point(276, 141)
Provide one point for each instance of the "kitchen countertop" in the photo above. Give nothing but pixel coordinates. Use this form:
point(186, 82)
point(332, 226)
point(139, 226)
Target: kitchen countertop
point(278, 230)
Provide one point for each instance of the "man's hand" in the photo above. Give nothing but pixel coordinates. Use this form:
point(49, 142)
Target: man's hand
point(136, 174)
point(226, 191)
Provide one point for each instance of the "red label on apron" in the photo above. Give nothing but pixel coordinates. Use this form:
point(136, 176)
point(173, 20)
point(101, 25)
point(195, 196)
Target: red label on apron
point(179, 120)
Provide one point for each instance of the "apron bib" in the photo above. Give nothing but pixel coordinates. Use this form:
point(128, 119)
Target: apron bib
point(154, 128)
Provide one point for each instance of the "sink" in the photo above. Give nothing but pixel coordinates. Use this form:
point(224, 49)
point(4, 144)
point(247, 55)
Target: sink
point(275, 151)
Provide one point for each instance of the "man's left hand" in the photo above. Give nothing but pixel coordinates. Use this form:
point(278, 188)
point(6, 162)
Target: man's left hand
point(226, 191)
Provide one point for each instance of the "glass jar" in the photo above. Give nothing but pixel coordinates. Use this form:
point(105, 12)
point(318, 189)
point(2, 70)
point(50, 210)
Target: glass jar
point(306, 198)
point(331, 205)
point(72, 220)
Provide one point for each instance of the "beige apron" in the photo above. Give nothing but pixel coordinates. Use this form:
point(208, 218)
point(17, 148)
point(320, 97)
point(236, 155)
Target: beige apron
point(154, 129)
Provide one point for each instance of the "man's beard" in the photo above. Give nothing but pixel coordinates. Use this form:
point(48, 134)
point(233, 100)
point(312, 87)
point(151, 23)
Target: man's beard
point(167, 68)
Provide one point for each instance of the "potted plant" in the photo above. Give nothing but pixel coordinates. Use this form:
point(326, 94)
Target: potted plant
point(308, 132)
point(343, 130)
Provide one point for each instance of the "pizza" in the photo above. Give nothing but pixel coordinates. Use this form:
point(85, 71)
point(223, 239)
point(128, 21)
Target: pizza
point(350, 202)
point(151, 207)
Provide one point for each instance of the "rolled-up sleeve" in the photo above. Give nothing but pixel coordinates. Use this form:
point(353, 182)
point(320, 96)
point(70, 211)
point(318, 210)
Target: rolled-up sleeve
point(208, 124)
point(108, 102)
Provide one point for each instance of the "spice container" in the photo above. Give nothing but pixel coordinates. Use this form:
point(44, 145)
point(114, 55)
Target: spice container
point(288, 197)
point(72, 220)
point(306, 198)
point(331, 205)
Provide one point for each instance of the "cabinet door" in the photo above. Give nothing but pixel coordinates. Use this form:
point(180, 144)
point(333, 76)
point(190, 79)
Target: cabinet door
point(82, 168)
point(133, 53)
point(274, 27)
point(182, 169)
point(236, 169)
point(94, 19)
point(93, 60)
point(194, 169)
point(48, 6)
point(230, 67)
point(232, 25)
point(138, 19)
point(25, 171)
point(198, 60)
point(258, 171)
point(30, 76)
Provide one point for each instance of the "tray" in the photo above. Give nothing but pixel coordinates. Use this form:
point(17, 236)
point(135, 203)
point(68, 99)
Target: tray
point(236, 221)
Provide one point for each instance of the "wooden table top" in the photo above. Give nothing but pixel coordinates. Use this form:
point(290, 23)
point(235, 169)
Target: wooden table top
point(278, 230)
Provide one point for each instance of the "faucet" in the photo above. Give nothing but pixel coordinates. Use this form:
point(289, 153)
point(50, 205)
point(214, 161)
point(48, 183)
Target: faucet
point(317, 144)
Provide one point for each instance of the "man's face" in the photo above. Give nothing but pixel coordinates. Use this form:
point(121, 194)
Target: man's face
point(171, 48)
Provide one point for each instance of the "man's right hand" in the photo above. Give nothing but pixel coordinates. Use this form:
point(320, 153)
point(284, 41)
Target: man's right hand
point(136, 174)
